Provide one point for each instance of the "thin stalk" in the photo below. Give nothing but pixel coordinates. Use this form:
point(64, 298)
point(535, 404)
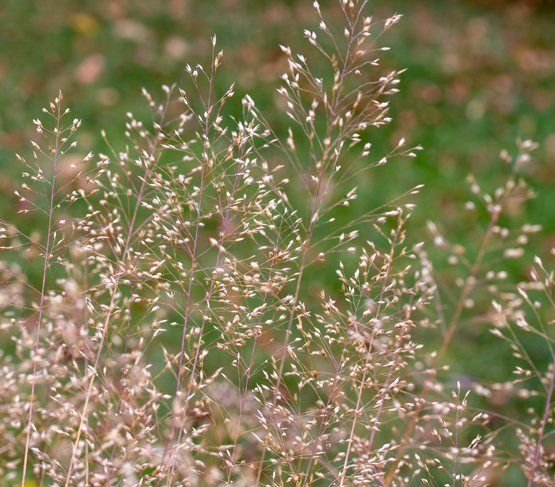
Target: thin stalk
point(225, 222)
point(368, 355)
point(291, 317)
point(386, 386)
point(454, 471)
point(114, 293)
point(42, 296)
point(306, 246)
point(541, 431)
point(245, 389)
point(328, 403)
point(123, 367)
point(443, 349)
point(86, 317)
point(330, 398)
point(192, 271)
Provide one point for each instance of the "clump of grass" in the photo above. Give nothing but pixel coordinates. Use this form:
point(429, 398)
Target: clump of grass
point(175, 336)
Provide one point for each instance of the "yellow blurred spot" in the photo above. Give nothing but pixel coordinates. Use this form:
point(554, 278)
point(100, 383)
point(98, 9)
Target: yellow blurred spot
point(30, 483)
point(84, 24)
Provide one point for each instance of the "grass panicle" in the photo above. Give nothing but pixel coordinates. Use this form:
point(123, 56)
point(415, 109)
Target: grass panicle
point(168, 324)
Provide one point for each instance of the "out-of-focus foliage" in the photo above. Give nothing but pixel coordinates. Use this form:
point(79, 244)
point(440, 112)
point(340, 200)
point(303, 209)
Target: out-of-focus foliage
point(479, 75)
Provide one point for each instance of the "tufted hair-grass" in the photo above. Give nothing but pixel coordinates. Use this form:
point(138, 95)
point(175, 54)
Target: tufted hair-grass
point(175, 337)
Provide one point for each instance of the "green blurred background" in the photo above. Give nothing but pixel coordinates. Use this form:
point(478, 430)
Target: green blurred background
point(479, 75)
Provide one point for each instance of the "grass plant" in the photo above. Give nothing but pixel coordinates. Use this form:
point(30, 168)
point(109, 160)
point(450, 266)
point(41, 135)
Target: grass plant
point(181, 333)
